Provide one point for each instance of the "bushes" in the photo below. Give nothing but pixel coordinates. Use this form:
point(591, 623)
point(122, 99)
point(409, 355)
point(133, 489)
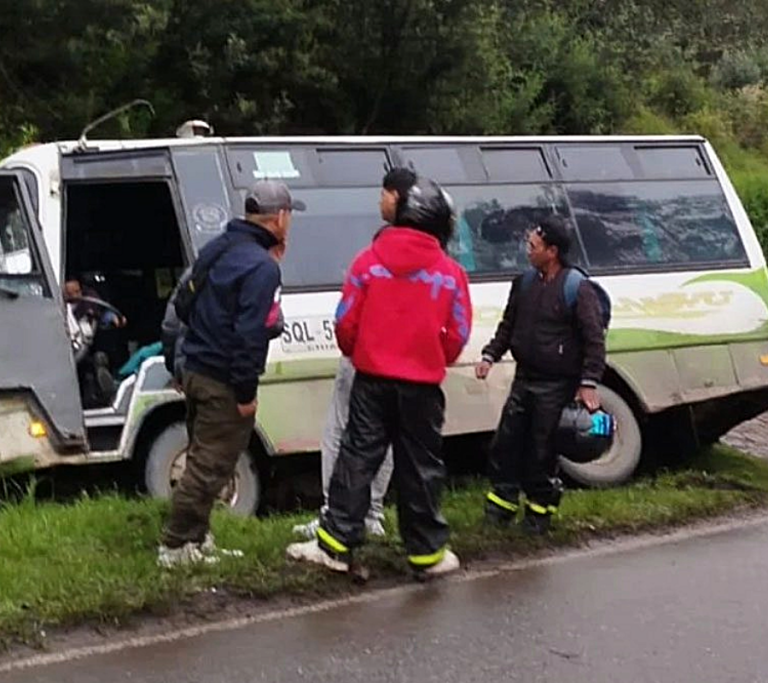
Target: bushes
point(677, 91)
point(405, 66)
point(736, 70)
point(752, 187)
point(15, 138)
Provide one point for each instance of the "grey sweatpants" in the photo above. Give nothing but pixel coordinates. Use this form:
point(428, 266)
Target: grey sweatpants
point(336, 422)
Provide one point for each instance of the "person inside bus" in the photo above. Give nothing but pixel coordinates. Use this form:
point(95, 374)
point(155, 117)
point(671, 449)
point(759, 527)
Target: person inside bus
point(84, 321)
point(405, 314)
point(74, 291)
point(560, 354)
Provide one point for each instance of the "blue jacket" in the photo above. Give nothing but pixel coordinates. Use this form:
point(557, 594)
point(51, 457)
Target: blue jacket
point(227, 338)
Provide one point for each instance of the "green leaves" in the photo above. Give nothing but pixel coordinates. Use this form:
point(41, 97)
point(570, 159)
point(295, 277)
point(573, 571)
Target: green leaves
point(374, 66)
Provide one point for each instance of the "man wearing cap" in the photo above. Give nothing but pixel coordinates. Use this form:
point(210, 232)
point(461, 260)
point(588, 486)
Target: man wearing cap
point(225, 350)
point(560, 354)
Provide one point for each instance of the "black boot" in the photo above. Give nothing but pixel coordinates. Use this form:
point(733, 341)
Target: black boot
point(499, 513)
point(536, 523)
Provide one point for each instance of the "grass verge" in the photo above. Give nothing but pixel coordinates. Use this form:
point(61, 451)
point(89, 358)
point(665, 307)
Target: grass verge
point(95, 559)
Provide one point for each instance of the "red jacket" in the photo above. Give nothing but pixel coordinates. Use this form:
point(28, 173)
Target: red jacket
point(405, 311)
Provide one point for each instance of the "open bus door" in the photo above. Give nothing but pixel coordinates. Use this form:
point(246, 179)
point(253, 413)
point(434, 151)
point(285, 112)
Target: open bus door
point(41, 414)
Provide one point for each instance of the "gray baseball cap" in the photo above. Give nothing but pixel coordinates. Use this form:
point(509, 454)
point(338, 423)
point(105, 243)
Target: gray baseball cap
point(271, 196)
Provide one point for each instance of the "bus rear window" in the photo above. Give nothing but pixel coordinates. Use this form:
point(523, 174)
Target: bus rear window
point(647, 224)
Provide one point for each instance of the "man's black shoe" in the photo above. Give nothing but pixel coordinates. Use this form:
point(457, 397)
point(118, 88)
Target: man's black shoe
point(497, 517)
point(535, 524)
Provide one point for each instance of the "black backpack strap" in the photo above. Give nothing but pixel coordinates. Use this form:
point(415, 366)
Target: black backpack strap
point(206, 261)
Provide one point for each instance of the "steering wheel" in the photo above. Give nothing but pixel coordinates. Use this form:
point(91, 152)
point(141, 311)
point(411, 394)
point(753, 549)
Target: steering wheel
point(100, 303)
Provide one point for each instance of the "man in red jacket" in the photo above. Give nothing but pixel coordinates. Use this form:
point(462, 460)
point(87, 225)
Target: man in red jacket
point(405, 314)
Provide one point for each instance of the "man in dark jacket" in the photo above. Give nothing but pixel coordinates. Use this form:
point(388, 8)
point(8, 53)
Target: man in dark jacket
point(173, 331)
point(225, 351)
point(560, 354)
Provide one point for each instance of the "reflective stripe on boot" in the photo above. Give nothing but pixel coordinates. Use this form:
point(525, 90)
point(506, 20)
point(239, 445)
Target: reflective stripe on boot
point(498, 501)
point(332, 546)
point(442, 562)
point(538, 518)
point(499, 512)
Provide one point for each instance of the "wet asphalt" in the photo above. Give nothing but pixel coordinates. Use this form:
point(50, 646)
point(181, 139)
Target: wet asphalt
point(692, 610)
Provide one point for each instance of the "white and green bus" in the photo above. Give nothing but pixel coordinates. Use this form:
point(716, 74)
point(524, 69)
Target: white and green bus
point(657, 221)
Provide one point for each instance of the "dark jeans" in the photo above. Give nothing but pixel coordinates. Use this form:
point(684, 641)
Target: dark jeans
point(217, 437)
point(410, 417)
point(522, 455)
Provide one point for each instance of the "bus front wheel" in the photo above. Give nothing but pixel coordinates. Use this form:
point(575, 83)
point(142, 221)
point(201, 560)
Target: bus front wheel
point(166, 462)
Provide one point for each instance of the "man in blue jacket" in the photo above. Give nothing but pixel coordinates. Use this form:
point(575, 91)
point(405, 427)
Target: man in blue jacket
point(225, 350)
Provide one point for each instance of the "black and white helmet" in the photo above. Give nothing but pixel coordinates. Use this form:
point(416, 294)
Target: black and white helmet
point(582, 436)
point(429, 208)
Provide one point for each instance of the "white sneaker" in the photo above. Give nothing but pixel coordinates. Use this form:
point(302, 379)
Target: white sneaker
point(310, 551)
point(209, 548)
point(183, 556)
point(374, 527)
point(308, 530)
point(449, 563)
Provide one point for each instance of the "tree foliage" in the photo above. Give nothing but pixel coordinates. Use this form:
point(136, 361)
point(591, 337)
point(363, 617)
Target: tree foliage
point(380, 66)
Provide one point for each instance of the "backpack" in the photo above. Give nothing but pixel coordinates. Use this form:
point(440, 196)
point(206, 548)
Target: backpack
point(190, 285)
point(571, 283)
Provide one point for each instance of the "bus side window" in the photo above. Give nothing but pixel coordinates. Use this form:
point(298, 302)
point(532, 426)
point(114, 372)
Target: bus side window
point(493, 223)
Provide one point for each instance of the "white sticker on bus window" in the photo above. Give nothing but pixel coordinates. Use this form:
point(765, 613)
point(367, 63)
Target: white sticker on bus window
point(274, 165)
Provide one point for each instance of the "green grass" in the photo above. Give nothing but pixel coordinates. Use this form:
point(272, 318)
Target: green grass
point(95, 559)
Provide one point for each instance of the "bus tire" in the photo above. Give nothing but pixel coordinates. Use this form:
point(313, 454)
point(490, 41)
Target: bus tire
point(165, 463)
point(621, 460)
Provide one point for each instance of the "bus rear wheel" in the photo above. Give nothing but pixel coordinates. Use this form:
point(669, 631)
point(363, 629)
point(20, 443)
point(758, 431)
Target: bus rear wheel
point(622, 458)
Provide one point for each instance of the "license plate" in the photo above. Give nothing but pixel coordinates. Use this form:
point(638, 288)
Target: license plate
point(305, 335)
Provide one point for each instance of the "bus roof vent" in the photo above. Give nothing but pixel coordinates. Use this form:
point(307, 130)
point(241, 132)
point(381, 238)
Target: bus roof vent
point(194, 128)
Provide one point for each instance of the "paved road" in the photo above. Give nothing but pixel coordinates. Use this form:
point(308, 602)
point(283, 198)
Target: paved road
point(692, 610)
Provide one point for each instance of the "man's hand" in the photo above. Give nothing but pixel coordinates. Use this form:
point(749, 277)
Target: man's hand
point(589, 397)
point(482, 369)
point(247, 409)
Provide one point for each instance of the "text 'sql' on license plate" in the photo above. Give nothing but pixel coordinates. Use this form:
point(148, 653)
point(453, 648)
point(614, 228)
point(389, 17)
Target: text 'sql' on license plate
point(302, 335)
